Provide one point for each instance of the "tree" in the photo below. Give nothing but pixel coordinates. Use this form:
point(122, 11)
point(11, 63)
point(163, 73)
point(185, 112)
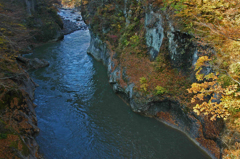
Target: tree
point(214, 24)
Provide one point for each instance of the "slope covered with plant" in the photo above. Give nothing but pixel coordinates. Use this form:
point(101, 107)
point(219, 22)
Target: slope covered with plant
point(22, 26)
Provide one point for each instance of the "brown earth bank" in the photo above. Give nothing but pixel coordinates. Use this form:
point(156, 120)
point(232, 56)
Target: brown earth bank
point(150, 64)
point(24, 24)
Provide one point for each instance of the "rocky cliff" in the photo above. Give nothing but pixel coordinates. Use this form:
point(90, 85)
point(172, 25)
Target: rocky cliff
point(24, 24)
point(18, 124)
point(150, 64)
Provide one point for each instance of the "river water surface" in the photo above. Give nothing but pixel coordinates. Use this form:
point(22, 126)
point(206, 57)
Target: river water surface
point(80, 116)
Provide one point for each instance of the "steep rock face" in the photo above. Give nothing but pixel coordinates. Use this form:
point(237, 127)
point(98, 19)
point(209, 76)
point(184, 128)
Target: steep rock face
point(30, 6)
point(160, 35)
point(99, 50)
point(154, 32)
point(159, 31)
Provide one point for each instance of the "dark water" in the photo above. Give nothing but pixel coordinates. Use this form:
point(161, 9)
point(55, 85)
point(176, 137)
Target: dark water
point(80, 116)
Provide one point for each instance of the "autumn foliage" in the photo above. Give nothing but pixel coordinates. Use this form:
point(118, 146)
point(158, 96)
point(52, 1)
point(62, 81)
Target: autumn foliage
point(216, 100)
point(214, 24)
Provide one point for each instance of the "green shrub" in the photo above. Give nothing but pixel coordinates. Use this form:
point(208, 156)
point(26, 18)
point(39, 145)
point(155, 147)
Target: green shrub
point(160, 90)
point(134, 40)
point(3, 136)
point(143, 80)
point(160, 63)
point(225, 80)
point(144, 85)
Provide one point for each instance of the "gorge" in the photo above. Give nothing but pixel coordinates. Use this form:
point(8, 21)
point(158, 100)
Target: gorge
point(148, 60)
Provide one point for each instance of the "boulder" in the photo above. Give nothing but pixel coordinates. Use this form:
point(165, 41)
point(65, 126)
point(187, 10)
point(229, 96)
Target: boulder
point(32, 63)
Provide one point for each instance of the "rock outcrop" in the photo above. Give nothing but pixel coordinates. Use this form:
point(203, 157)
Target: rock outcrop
point(72, 20)
point(32, 63)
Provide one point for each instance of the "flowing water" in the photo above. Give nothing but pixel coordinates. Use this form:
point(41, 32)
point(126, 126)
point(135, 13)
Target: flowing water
point(80, 116)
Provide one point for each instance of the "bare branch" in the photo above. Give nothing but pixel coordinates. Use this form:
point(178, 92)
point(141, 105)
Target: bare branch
point(232, 78)
point(216, 31)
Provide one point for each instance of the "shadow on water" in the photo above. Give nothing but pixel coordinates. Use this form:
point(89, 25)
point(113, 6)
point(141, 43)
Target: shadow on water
point(80, 116)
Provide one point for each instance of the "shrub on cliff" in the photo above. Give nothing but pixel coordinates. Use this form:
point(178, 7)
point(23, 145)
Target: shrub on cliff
point(214, 24)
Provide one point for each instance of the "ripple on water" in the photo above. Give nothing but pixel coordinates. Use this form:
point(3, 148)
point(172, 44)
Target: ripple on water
point(80, 116)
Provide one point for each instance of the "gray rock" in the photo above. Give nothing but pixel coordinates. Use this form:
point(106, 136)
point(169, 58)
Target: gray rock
point(32, 63)
point(69, 26)
point(78, 19)
point(38, 63)
point(154, 33)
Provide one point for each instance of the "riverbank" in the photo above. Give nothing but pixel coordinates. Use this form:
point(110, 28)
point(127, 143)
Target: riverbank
point(18, 121)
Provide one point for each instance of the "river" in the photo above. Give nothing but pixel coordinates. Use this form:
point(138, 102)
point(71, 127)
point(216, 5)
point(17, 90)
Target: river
point(80, 116)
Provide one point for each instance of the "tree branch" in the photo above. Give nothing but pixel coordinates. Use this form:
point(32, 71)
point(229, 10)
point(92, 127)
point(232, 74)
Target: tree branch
point(232, 78)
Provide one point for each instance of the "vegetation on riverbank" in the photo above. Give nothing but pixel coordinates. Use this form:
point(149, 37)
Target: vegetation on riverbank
point(21, 30)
